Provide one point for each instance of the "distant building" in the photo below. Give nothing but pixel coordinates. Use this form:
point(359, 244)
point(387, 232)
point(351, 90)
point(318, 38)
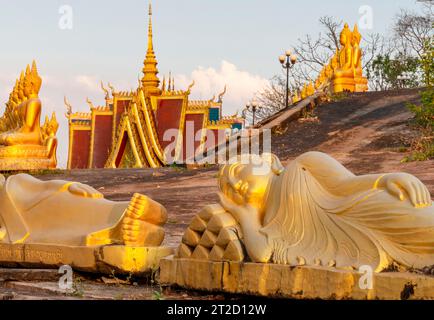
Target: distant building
point(152, 126)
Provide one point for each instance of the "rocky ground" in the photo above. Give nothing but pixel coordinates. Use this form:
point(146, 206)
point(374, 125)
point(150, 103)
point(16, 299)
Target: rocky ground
point(368, 133)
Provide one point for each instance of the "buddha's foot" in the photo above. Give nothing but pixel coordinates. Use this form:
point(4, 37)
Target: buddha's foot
point(143, 221)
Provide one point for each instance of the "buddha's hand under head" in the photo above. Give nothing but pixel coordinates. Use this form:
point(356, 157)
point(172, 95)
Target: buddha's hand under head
point(241, 213)
point(405, 185)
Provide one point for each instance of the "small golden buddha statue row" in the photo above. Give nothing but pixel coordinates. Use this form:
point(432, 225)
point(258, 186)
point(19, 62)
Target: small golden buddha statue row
point(344, 70)
point(24, 144)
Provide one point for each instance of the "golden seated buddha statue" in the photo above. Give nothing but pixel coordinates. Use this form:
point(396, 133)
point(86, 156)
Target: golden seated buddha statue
point(310, 90)
point(296, 97)
point(24, 145)
point(343, 76)
point(361, 83)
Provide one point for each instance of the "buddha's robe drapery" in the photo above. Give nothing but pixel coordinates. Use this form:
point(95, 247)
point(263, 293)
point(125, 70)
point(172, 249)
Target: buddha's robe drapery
point(309, 215)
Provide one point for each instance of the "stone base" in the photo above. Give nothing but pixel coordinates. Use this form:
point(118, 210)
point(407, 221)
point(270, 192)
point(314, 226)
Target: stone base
point(344, 84)
point(361, 87)
point(8, 164)
point(100, 259)
point(291, 282)
point(16, 158)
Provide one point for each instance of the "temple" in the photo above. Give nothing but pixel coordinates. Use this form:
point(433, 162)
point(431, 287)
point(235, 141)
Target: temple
point(152, 126)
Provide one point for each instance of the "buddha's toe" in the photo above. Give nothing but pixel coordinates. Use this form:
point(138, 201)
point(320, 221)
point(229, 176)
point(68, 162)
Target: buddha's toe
point(139, 233)
point(144, 208)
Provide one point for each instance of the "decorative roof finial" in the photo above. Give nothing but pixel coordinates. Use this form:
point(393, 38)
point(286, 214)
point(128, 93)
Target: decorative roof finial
point(163, 86)
point(112, 89)
point(68, 106)
point(190, 86)
point(105, 91)
point(90, 103)
point(150, 81)
point(220, 100)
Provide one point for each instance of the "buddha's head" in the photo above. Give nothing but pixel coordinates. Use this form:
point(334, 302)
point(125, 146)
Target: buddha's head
point(27, 82)
point(356, 36)
point(20, 91)
point(50, 127)
point(247, 180)
point(33, 81)
point(345, 37)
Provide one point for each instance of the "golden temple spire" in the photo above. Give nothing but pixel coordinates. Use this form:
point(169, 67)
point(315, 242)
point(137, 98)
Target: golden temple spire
point(150, 81)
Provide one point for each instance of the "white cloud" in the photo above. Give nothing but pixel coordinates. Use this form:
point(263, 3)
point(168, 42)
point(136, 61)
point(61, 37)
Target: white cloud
point(241, 85)
point(88, 82)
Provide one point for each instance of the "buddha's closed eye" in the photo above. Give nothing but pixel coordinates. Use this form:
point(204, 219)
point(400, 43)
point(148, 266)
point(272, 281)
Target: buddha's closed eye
point(83, 190)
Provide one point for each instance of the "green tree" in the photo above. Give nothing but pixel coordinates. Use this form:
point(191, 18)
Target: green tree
point(387, 73)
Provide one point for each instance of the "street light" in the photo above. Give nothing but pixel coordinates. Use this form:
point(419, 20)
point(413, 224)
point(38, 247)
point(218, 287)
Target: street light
point(403, 77)
point(287, 61)
point(253, 106)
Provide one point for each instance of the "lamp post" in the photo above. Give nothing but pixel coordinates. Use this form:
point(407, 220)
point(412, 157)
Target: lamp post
point(287, 61)
point(403, 78)
point(253, 107)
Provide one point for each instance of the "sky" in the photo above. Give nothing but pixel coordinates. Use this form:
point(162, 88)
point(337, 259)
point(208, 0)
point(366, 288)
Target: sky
point(78, 43)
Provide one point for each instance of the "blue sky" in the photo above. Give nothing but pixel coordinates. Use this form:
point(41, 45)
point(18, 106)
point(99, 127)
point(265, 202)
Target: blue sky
point(213, 41)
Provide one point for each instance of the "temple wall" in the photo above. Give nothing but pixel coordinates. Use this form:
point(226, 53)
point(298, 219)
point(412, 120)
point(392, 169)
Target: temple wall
point(214, 138)
point(193, 124)
point(168, 116)
point(80, 149)
point(119, 107)
point(102, 139)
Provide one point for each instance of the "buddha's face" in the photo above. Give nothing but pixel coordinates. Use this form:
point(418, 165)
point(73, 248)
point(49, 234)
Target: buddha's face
point(345, 37)
point(27, 90)
point(247, 183)
point(356, 38)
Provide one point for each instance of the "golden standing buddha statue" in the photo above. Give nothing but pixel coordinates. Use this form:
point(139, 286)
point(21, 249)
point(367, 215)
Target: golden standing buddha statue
point(24, 145)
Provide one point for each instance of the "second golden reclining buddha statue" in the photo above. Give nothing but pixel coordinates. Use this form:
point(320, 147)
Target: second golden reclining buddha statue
point(314, 212)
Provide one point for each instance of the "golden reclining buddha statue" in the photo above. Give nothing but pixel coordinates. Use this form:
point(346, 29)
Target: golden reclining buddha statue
point(314, 212)
point(24, 144)
point(60, 222)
